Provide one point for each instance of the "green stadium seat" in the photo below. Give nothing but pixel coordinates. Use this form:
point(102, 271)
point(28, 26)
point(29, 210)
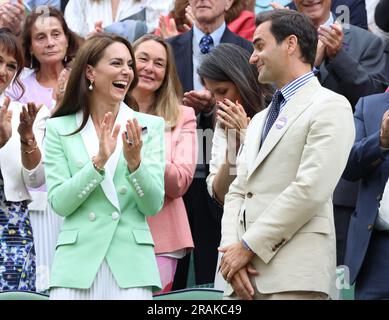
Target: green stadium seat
point(191, 294)
point(22, 295)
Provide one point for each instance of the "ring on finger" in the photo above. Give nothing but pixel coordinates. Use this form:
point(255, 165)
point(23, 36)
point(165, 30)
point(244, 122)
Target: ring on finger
point(130, 142)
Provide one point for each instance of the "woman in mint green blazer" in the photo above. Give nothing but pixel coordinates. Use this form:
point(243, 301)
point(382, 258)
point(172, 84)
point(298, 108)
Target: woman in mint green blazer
point(104, 166)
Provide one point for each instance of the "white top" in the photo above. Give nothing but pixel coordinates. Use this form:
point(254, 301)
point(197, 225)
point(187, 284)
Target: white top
point(218, 155)
point(81, 15)
point(16, 178)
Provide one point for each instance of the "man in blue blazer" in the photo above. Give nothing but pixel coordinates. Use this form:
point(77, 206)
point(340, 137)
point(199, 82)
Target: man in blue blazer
point(204, 214)
point(367, 249)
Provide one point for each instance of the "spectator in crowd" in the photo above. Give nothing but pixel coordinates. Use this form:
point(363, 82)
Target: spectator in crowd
point(368, 238)
point(102, 184)
point(49, 46)
point(278, 237)
point(20, 167)
point(87, 16)
point(159, 93)
point(189, 49)
point(239, 20)
point(228, 75)
point(352, 62)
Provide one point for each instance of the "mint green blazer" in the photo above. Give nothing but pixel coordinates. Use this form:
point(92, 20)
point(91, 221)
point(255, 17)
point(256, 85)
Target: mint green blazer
point(105, 215)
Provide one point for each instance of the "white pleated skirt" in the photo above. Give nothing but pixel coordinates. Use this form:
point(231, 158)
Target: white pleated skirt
point(45, 227)
point(104, 287)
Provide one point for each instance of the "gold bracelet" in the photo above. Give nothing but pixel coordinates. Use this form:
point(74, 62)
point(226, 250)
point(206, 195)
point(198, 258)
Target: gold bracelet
point(99, 170)
point(31, 151)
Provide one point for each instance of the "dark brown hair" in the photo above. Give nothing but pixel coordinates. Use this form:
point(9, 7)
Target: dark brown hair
point(73, 40)
point(229, 62)
point(235, 10)
point(77, 93)
point(10, 44)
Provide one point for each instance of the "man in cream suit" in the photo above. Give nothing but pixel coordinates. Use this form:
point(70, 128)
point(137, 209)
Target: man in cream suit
point(278, 237)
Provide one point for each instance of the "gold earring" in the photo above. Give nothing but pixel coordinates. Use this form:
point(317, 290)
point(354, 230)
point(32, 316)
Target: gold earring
point(90, 85)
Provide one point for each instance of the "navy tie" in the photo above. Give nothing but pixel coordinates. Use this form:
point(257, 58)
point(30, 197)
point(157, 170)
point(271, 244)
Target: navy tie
point(205, 44)
point(273, 113)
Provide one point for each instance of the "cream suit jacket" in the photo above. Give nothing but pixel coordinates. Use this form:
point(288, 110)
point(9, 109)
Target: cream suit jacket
point(280, 203)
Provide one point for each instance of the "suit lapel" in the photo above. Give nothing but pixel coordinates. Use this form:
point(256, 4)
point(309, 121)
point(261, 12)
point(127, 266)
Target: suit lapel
point(183, 56)
point(301, 100)
point(91, 143)
point(255, 131)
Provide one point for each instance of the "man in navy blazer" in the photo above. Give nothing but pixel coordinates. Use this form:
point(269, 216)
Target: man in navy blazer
point(203, 212)
point(367, 249)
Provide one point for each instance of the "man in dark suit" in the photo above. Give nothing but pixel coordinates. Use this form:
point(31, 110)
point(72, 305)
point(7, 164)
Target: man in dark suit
point(203, 212)
point(350, 61)
point(368, 236)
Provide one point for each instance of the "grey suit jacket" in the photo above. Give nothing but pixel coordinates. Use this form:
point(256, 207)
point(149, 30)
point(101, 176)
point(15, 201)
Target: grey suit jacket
point(359, 69)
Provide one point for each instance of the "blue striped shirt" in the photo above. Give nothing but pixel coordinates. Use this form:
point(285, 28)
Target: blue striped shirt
point(290, 89)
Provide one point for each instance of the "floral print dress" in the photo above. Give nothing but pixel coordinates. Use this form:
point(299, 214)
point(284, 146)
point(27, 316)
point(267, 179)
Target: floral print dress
point(17, 253)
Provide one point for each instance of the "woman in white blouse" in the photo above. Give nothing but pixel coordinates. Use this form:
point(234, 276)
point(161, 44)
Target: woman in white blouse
point(227, 73)
point(86, 16)
point(20, 167)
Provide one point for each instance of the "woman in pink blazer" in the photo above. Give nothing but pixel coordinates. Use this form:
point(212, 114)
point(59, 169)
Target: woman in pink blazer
point(159, 93)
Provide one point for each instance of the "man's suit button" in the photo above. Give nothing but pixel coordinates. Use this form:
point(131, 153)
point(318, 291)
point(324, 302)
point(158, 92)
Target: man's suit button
point(369, 227)
point(274, 249)
point(92, 216)
point(115, 215)
point(249, 195)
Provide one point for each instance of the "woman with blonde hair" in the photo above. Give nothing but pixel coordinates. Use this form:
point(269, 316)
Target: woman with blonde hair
point(159, 93)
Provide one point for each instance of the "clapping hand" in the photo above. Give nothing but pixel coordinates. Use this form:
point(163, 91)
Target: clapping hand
point(5, 122)
point(232, 116)
point(332, 38)
point(107, 139)
point(27, 118)
point(59, 91)
point(12, 15)
point(132, 144)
